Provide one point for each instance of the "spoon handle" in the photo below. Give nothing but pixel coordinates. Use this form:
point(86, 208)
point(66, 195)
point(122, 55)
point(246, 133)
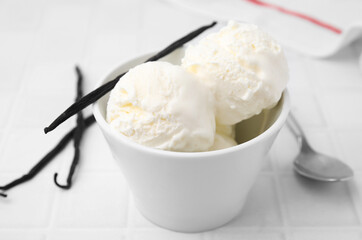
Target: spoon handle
point(298, 132)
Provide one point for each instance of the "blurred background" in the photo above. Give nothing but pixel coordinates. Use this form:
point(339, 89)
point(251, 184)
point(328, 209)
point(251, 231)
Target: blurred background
point(40, 43)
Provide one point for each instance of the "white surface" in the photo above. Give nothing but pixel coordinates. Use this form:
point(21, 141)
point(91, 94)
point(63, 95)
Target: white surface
point(40, 41)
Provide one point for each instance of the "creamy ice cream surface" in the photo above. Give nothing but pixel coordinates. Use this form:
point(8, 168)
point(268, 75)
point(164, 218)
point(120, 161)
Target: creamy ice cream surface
point(225, 78)
point(224, 137)
point(228, 130)
point(243, 66)
point(222, 141)
point(161, 105)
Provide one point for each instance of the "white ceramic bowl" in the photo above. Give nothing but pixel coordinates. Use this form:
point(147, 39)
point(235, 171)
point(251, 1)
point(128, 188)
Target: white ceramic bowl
point(192, 192)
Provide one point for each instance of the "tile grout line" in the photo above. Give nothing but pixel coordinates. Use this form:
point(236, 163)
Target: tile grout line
point(128, 229)
point(56, 200)
point(141, 20)
point(351, 186)
point(314, 91)
point(54, 194)
point(331, 130)
point(12, 112)
point(356, 199)
point(280, 199)
point(52, 212)
point(279, 188)
point(277, 175)
point(18, 94)
point(88, 32)
point(159, 229)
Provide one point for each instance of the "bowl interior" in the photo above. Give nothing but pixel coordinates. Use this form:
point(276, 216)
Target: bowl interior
point(256, 125)
point(245, 130)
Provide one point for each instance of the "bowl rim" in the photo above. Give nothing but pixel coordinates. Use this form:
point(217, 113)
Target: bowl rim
point(276, 126)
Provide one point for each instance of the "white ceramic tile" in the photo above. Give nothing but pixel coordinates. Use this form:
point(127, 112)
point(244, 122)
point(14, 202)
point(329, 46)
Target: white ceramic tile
point(317, 204)
point(28, 205)
point(21, 235)
point(112, 48)
point(20, 15)
point(118, 17)
point(14, 49)
point(93, 72)
point(350, 143)
point(247, 235)
point(168, 24)
point(357, 186)
point(331, 234)
point(52, 77)
point(298, 74)
point(136, 219)
point(4, 18)
point(11, 76)
point(19, 152)
point(6, 103)
point(343, 107)
point(159, 233)
point(306, 108)
point(97, 155)
point(40, 109)
point(63, 32)
point(70, 17)
point(95, 201)
point(261, 208)
point(57, 47)
point(89, 234)
point(1, 137)
point(284, 150)
point(321, 140)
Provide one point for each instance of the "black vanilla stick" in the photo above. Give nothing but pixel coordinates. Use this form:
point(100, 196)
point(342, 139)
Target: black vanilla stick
point(77, 136)
point(102, 90)
point(47, 158)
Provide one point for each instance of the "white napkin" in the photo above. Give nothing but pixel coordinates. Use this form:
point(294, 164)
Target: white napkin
point(294, 32)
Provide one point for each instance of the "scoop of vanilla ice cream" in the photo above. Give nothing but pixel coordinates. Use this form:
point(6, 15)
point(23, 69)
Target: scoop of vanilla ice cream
point(228, 130)
point(221, 142)
point(224, 137)
point(243, 66)
point(161, 105)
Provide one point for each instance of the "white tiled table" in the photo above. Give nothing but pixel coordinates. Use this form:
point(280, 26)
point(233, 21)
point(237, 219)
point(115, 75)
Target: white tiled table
point(40, 41)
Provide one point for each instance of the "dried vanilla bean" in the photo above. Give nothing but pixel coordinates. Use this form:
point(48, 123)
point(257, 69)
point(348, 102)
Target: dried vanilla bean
point(47, 158)
point(102, 90)
point(77, 136)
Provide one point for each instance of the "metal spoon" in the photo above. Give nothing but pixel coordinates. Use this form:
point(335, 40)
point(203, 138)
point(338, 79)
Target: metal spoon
point(314, 165)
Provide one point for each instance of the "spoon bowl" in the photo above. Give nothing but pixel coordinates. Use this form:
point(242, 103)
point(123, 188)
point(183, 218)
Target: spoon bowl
point(321, 167)
point(314, 165)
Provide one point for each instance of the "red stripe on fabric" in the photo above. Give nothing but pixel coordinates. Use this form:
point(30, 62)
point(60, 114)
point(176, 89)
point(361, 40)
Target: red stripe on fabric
point(297, 14)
